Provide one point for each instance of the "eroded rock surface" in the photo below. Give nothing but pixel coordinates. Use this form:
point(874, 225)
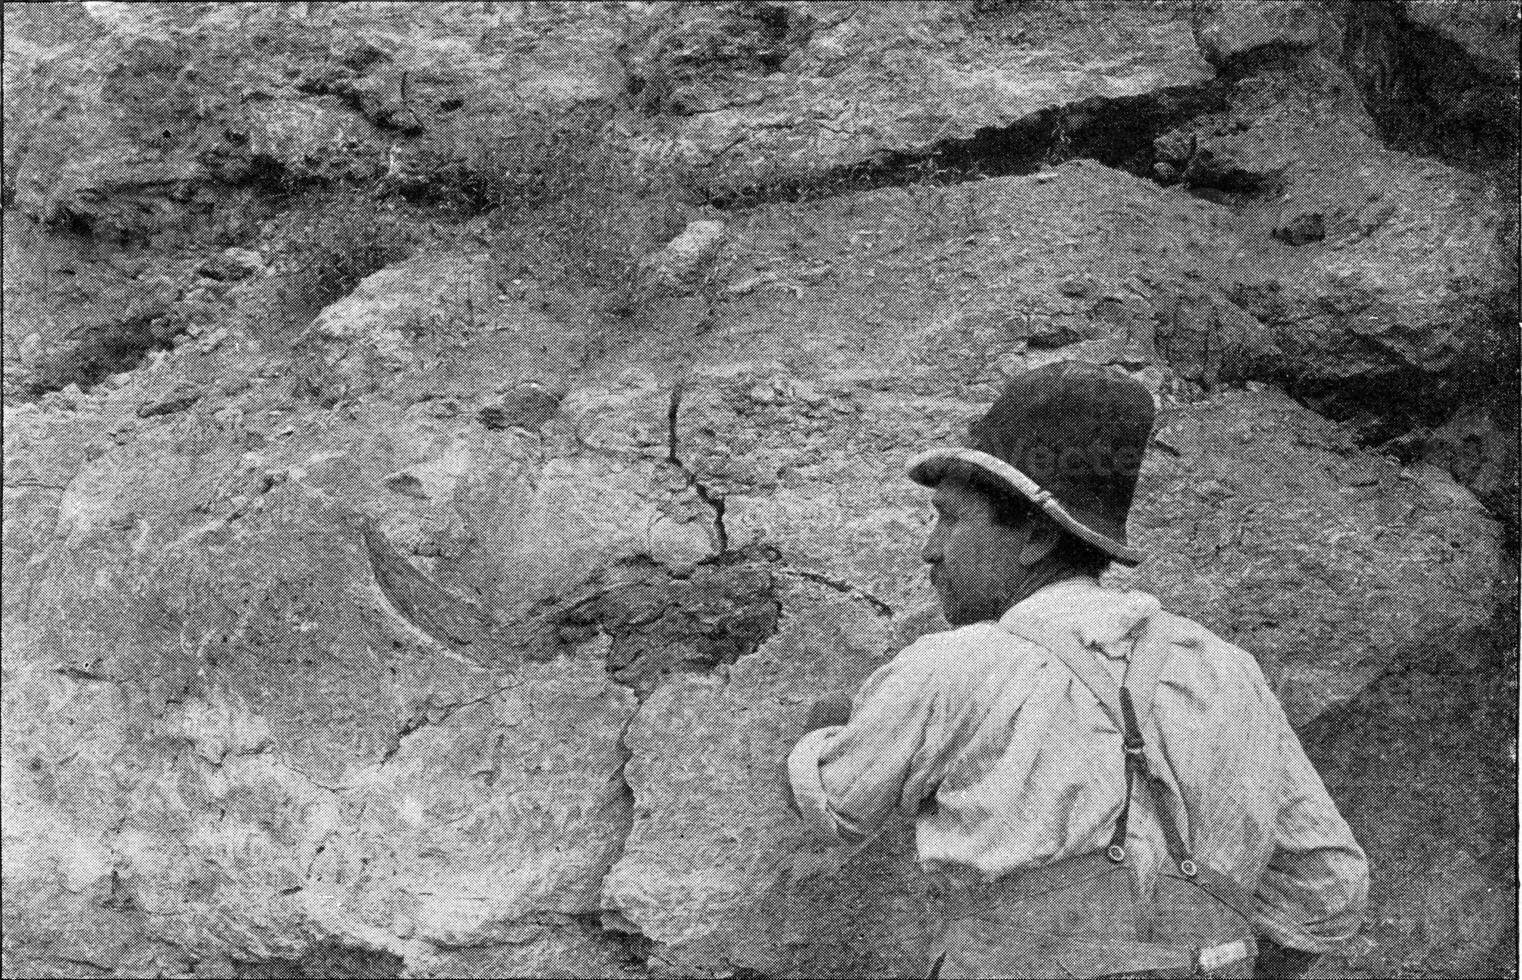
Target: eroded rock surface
point(1383, 274)
point(787, 93)
point(445, 607)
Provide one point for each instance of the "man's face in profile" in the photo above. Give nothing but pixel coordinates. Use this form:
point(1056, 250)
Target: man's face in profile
point(971, 556)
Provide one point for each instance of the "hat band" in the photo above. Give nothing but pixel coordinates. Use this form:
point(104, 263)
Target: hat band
point(1026, 487)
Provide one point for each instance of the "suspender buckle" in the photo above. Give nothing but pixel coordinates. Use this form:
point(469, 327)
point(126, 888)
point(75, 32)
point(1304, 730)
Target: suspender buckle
point(1212, 958)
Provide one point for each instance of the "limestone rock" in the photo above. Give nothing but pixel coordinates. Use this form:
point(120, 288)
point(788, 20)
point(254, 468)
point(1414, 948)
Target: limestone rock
point(1227, 29)
point(1419, 749)
point(681, 265)
point(1441, 78)
point(233, 263)
point(1476, 447)
point(91, 317)
point(135, 121)
point(1406, 553)
point(1393, 572)
point(706, 770)
point(439, 317)
point(1487, 32)
point(309, 743)
point(1345, 322)
point(786, 93)
point(466, 635)
point(763, 433)
point(320, 721)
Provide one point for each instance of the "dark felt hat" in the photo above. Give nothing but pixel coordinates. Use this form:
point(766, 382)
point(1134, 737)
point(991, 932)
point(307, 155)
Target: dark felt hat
point(1070, 438)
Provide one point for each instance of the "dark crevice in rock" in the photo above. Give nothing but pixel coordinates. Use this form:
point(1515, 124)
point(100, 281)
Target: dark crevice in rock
point(1403, 410)
point(104, 351)
point(631, 947)
point(88, 964)
point(1117, 132)
point(609, 923)
point(673, 407)
point(1275, 56)
point(1427, 94)
point(715, 502)
point(1381, 409)
point(84, 674)
point(661, 621)
point(232, 165)
point(33, 485)
point(329, 958)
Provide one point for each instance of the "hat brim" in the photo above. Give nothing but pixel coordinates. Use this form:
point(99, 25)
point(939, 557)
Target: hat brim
point(927, 469)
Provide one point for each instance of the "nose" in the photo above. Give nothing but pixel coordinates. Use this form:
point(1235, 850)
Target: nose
point(932, 553)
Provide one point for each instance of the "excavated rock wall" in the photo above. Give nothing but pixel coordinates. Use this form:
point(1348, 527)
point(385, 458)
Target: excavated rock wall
point(447, 454)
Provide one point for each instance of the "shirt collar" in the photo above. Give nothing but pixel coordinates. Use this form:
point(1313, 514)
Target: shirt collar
point(1100, 617)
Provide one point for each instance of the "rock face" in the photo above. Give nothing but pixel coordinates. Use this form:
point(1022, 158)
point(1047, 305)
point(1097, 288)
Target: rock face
point(1415, 747)
point(150, 129)
point(438, 590)
point(681, 266)
point(1227, 31)
point(777, 93)
point(1486, 32)
point(1352, 327)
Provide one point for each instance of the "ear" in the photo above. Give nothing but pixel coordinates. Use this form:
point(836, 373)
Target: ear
point(1041, 538)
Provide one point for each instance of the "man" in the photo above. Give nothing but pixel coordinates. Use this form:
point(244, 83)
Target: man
point(1098, 788)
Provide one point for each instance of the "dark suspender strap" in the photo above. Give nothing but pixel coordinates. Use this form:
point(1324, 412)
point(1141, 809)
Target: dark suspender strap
point(1116, 849)
point(1136, 763)
point(1149, 659)
point(1153, 651)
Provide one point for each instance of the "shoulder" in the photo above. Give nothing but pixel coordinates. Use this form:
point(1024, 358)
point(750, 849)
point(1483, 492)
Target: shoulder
point(1210, 658)
point(966, 651)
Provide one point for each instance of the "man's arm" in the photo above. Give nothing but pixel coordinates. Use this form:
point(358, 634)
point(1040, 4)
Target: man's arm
point(847, 780)
point(1313, 893)
point(831, 711)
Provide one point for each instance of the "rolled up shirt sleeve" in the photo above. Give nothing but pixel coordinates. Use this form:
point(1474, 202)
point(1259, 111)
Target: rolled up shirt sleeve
point(848, 780)
point(808, 788)
point(1314, 890)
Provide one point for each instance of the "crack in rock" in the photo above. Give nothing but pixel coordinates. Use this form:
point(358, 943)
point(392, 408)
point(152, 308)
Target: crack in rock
point(437, 714)
point(1118, 132)
point(609, 922)
point(846, 588)
point(714, 501)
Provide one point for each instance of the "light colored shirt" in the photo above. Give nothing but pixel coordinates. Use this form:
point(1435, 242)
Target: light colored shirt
point(1004, 760)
